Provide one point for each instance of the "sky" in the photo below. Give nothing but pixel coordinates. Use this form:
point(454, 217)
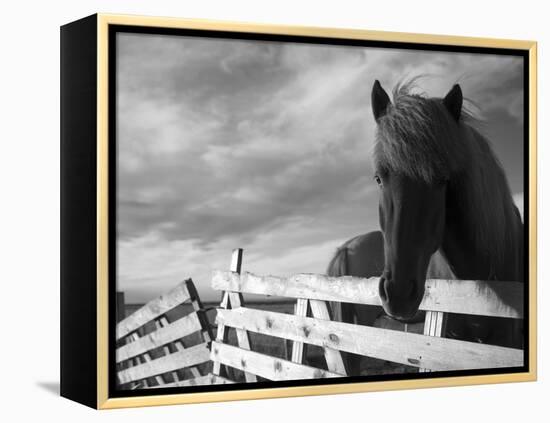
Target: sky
point(266, 146)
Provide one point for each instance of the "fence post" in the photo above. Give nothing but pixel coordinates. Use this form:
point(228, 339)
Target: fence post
point(300, 309)
point(234, 300)
point(434, 325)
point(333, 357)
point(120, 306)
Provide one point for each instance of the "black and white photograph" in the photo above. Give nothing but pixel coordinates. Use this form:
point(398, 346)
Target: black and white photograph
point(294, 211)
point(272, 212)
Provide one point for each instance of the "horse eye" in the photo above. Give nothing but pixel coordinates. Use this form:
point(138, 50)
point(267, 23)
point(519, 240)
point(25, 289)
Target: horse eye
point(378, 180)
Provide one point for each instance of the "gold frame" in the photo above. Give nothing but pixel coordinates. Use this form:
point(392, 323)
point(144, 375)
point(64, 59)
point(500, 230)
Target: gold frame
point(103, 401)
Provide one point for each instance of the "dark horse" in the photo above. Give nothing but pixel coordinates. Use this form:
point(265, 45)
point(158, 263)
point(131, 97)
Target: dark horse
point(445, 210)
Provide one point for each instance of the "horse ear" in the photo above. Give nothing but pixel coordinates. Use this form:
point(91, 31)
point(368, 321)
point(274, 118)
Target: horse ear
point(379, 100)
point(453, 102)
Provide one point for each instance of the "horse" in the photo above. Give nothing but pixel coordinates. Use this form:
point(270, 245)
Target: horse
point(445, 211)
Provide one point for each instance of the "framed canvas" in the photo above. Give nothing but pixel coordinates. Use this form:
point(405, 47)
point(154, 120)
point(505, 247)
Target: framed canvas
point(256, 211)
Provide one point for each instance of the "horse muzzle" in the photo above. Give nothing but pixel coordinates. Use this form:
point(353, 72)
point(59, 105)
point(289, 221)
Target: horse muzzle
point(400, 300)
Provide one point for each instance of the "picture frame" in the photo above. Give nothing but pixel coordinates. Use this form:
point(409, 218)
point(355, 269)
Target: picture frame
point(107, 352)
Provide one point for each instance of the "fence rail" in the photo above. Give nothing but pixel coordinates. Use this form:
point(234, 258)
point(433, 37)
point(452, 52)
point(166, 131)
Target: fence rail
point(161, 345)
point(399, 347)
point(428, 352)
point(154, 309)
point(486, 298)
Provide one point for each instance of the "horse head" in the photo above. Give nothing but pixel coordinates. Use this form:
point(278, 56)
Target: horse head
point(413, 157)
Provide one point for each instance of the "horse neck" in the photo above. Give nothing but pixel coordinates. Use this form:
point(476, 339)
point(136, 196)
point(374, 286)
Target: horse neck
point(484, 234)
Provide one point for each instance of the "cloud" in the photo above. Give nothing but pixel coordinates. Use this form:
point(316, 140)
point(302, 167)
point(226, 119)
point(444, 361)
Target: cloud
point(262, 145)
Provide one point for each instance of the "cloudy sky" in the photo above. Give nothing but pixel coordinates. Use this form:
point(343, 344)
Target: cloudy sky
point(265, 146)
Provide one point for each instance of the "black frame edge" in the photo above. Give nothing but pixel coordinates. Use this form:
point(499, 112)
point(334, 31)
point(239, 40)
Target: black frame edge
point(78, 211)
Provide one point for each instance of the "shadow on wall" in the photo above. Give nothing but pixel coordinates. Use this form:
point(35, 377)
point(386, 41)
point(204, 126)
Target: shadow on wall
point(50, 387)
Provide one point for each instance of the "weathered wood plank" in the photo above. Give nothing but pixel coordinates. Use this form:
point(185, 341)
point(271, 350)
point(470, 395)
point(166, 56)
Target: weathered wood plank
point(169, 348)
point(221, 332)
point(178, 345)
point(298, 347)
point(487, 298)
point(400, 347)
point(333, 357)
point(154, 309)
point(243, 340)
point(162, 336)
point(191, 356)
point(434, 325)
point(144, 358)
point(233, 300)
point(224, 303)
point(209, 379)
point(265, 366)
point(236, 260)
point(201, 312)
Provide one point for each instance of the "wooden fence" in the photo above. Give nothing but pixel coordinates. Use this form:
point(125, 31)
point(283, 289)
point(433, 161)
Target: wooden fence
point(168, 342)
point(164, 345)
point(428, 352)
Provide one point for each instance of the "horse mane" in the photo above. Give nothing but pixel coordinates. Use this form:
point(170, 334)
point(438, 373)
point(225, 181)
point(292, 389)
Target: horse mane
point(418, 137)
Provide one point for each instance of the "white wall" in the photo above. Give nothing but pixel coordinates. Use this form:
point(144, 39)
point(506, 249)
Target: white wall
point(29, 134)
